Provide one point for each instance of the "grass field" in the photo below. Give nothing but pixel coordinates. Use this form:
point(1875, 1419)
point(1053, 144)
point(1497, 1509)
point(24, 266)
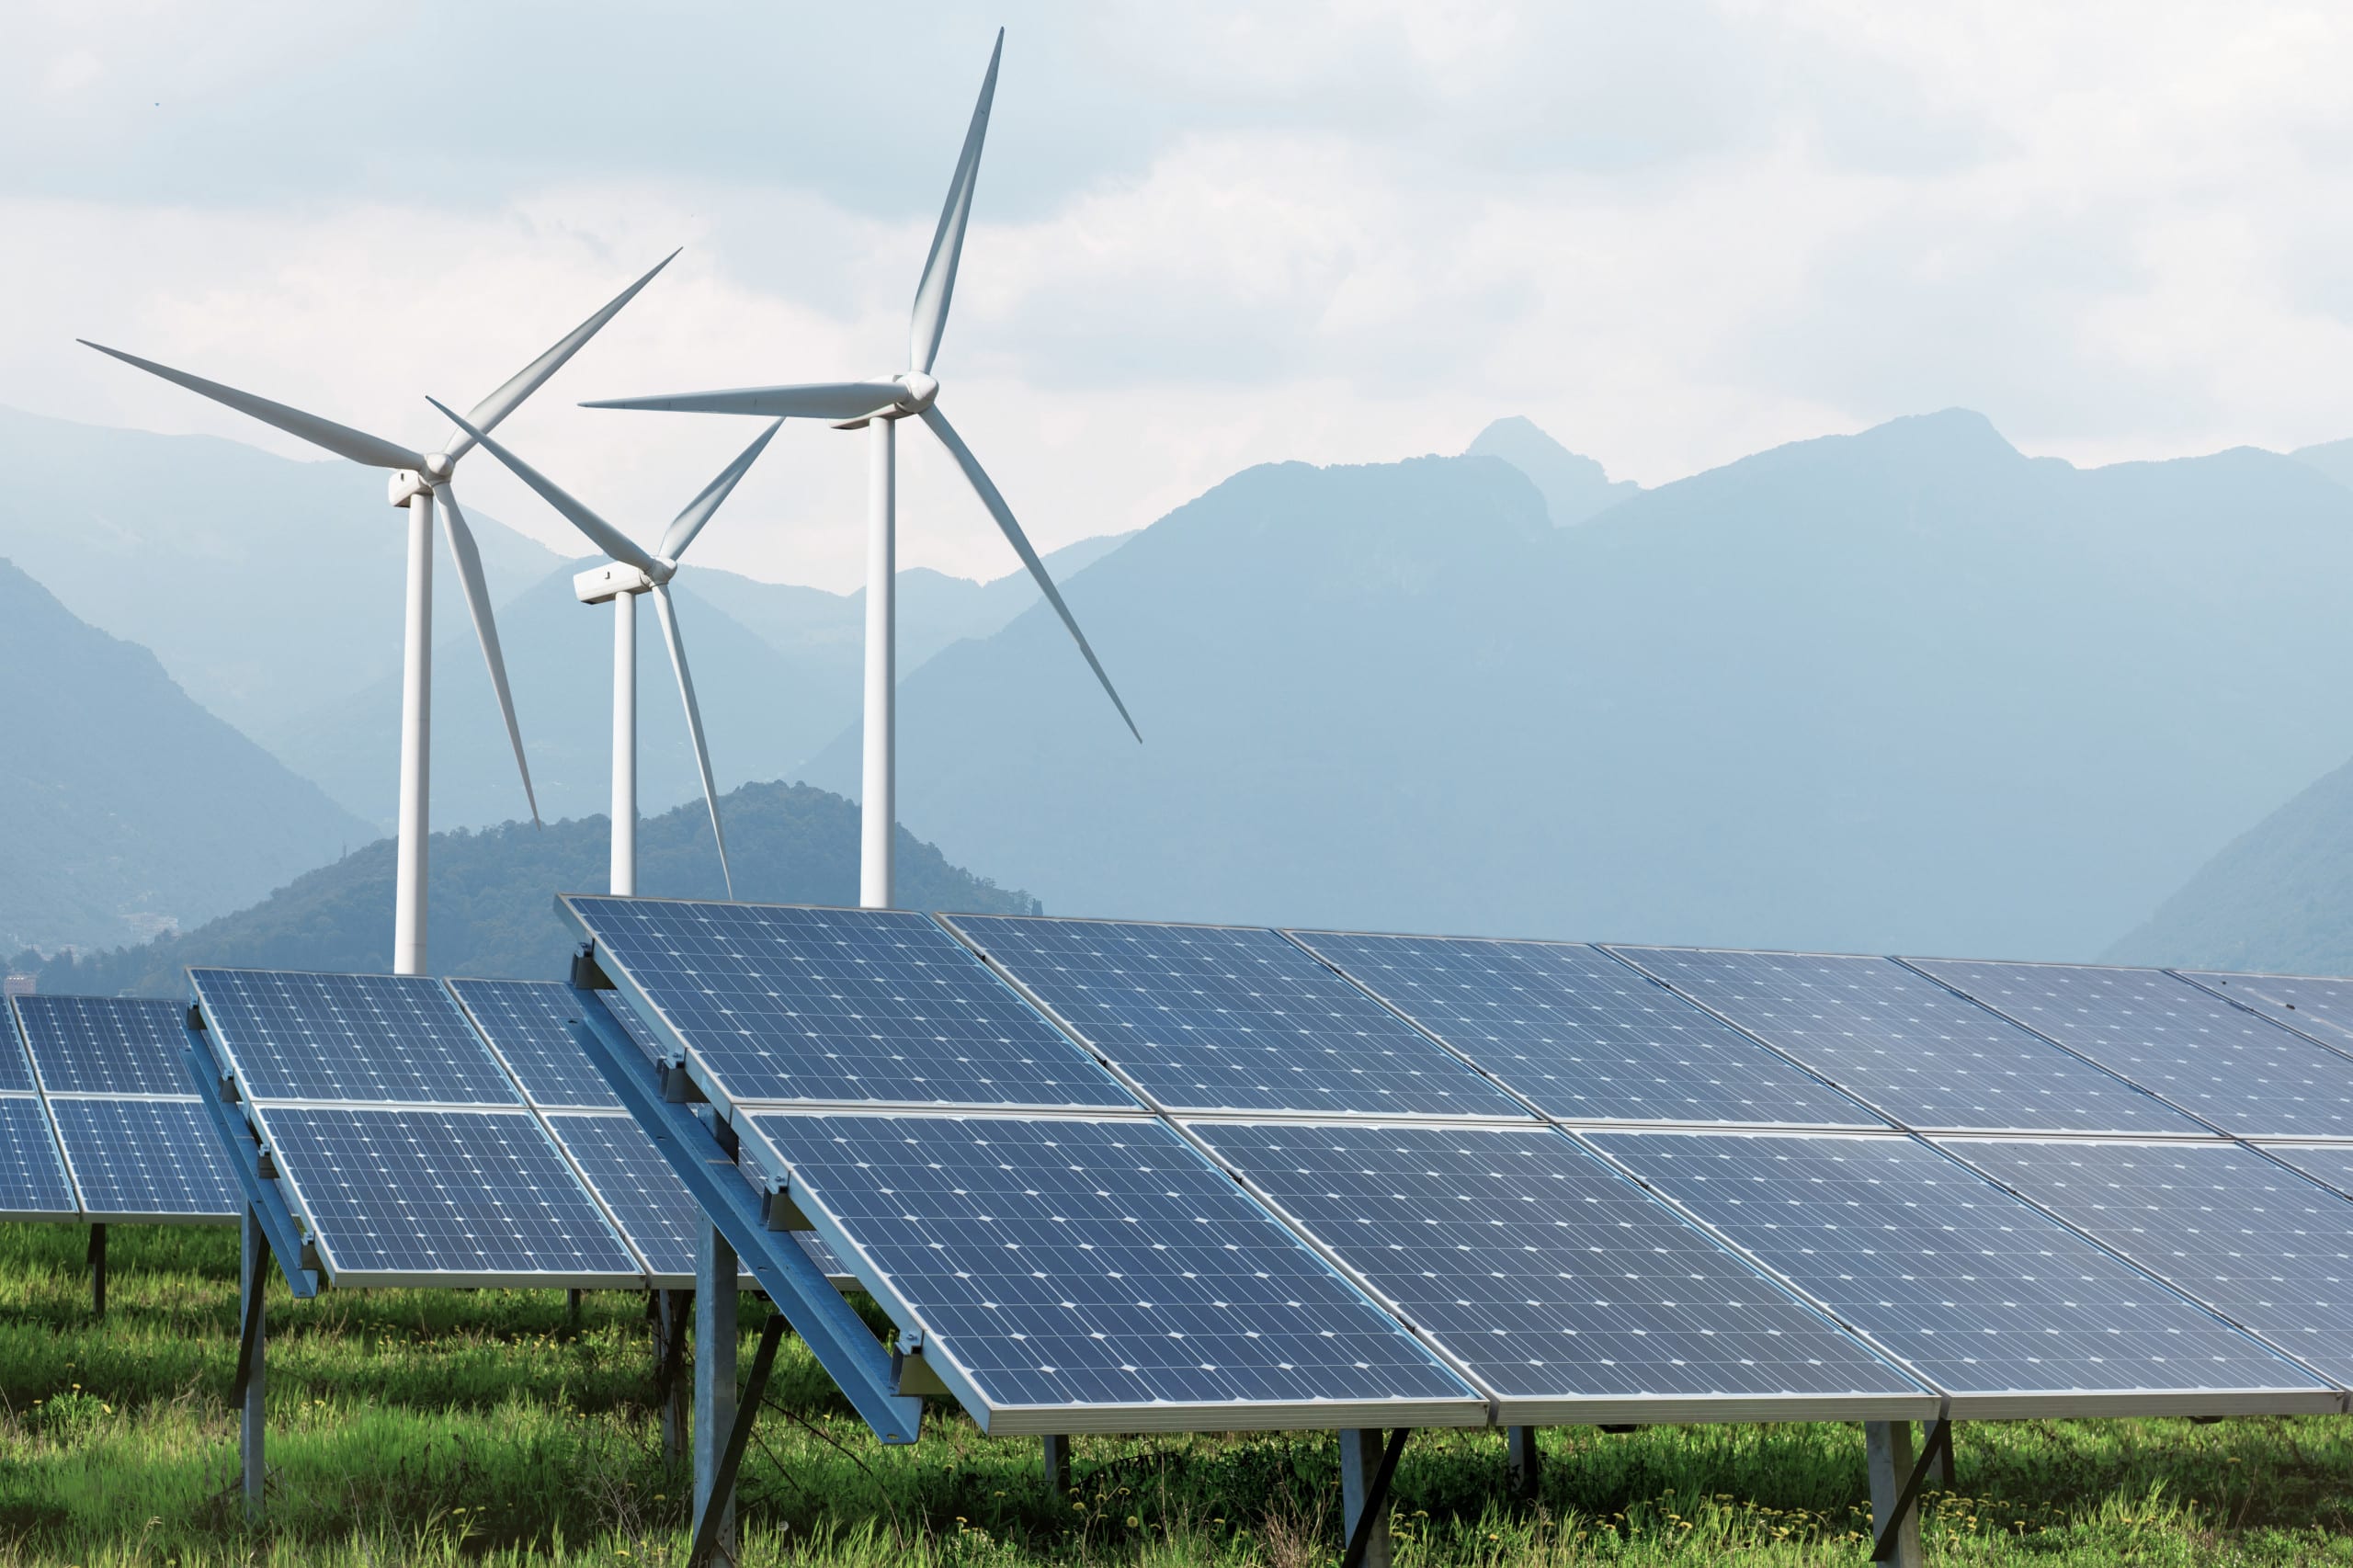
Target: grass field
point(432, 1427)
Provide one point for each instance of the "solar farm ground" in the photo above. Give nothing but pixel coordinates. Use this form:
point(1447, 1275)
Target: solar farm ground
point(413, 1426)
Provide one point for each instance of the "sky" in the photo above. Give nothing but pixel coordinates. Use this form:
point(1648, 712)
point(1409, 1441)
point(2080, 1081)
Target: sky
point(1205, 235)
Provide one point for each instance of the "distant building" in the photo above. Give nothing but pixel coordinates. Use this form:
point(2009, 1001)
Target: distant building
point(19, 985)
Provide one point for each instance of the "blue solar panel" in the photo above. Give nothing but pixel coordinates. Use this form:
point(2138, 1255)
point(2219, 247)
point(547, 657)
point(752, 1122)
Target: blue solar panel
point(2223, 1063)
point(840, 1006)
point(1907, 1046)
point(1104, 1272)
point(117, 1045)
point(1583, 1036)
point(2330, 1164)
point(1555, 1279)
point(2259, 1244)
point(395, 1195)
point(16, 1067)
point(529, 1023)
point(1217, 1017)
point(32, 1178)
point(156, 1160)
point(1996, 1303)
point(2321, 1007)
point(348, 1037)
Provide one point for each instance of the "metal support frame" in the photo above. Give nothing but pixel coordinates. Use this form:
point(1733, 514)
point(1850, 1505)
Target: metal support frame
point(715, 1327)
point(715, 1520)
point(1054, 1448)
point(97, 1258)
point(1367, 1467)
point(1523, 1460)
point(253, 1277)
point(571, 1305)
point(668, 1309)
point(1894, 1516)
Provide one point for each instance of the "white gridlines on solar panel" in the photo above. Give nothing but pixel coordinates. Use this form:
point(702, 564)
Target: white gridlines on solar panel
point(364, 1038)
point(1568, 1291)
point(2222, 1063)
point(1582, 1035)
point(2002, 1306)
point(1231, 1018)
point(33, 1185)
point(529, 1025)
point(1907, 1046)
point(112, 1045)
point(2258, 1243)
point(154, 1161)
point(1083, 1275)
point(782, 1004)
point(2318, 1005)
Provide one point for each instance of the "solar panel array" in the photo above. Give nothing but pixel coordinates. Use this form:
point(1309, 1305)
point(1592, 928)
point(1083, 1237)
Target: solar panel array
point(132, 1133)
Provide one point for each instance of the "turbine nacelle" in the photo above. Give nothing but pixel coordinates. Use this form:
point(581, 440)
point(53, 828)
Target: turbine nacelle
point(602, 585)
point(921, 392)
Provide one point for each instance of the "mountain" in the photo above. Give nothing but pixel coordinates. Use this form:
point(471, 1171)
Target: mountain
point(2333, 459)
point(1574, 487)
point(1905, 691)
point(492, 894)
point(267, 587)
point(125, 806)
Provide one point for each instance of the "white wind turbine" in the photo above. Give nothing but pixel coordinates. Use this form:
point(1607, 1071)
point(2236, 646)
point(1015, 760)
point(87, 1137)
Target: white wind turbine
point(632, 571)
point(417, 480)
point(879, 407)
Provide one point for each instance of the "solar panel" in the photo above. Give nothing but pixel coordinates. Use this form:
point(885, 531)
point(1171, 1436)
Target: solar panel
point(2260, 1245)
point(2314, 1004)
point(1218, 1017)
point(146, 1161)
point(2240, 1072)
point(528, 1024)
point(1582, 1036)
point(16, 1067)
point(2004, 1309)
point(2328, 1163)
point(399, 1039)
point(842, 1006)
point(1907, 1046)
point(115, 1045)
point(1102, 1275)
point(402, 1197)
point(32, 1178)
point(1568, 1290)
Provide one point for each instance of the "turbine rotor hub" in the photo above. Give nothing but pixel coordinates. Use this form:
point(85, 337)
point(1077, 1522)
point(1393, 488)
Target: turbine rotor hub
point(438, 467)
point(921, 391)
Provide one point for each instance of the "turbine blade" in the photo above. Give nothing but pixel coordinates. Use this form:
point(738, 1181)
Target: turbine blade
point(994, 502)
point(373, 451)
point(939, 286)
point(689, 522)
point(606, 537)
point(818, 399)
point(469, 563)
point(529, 379)
point(669, 619)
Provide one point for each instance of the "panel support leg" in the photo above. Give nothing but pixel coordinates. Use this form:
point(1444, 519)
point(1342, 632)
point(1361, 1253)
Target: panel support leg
point(1522, 1461)
point(739, 1433)
point(716, 1272)
point(670, 1308)
point(572, 1307)
point(253, 1277)
point(1941, 1440)
point(1366, 1467)
point(99, 1269)
point(1896, 1476)
point(1057, 1456)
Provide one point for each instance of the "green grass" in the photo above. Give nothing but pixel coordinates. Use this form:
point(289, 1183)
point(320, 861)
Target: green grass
point(411, 1427)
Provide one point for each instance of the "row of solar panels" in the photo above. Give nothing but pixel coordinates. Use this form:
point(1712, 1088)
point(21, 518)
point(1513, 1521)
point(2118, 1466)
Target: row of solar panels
point(1124, 1175)
point(102, 1124)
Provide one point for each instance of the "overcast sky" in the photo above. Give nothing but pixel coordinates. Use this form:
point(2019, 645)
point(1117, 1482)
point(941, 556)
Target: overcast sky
point(1206, 235)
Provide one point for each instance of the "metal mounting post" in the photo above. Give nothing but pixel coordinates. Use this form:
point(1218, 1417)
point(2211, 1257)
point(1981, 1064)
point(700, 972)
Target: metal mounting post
point(1056, 1451)
point(1522, 1461)
point(717, 1514)
point(252, 1275)
point(715, 1304)
point(1367, 1467)
point(1895, 1486)
point(99, 1269)
point(670, 1308)
point(571, 1305)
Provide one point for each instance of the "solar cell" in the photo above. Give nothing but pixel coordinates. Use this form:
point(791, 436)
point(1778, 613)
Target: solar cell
point(398, 1038)
point(2240, 1072)
point(2314, 1004)
point(1568, 1290)
point(2260, 1245)
point(1581, 1035)
point(146, 1160)
point(1216, 1017)
point(16, 1067)
point(2328, 1163)
point(1907, 1046)
point(1074, 1275)
point(843, 1006)
point(120, 1045)
point(398, 1195)
point(2001, 1306)
point(528, 1024)
point(32, 1178)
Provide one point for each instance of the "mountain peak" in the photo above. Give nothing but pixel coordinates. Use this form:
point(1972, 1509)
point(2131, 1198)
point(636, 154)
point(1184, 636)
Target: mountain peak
point(1574, 487)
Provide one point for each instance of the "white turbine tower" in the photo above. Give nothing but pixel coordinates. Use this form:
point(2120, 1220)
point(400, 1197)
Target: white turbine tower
point(879, 407)
point(632, 571)
point(417, 480)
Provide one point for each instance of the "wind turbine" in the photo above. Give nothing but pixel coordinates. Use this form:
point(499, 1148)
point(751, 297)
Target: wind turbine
point(632, 571)
point(417, 480)
point(878, 406)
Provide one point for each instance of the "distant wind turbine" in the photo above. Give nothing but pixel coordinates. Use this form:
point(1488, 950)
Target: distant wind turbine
point(879, 406)
point(633, 572)
point(418, 480)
